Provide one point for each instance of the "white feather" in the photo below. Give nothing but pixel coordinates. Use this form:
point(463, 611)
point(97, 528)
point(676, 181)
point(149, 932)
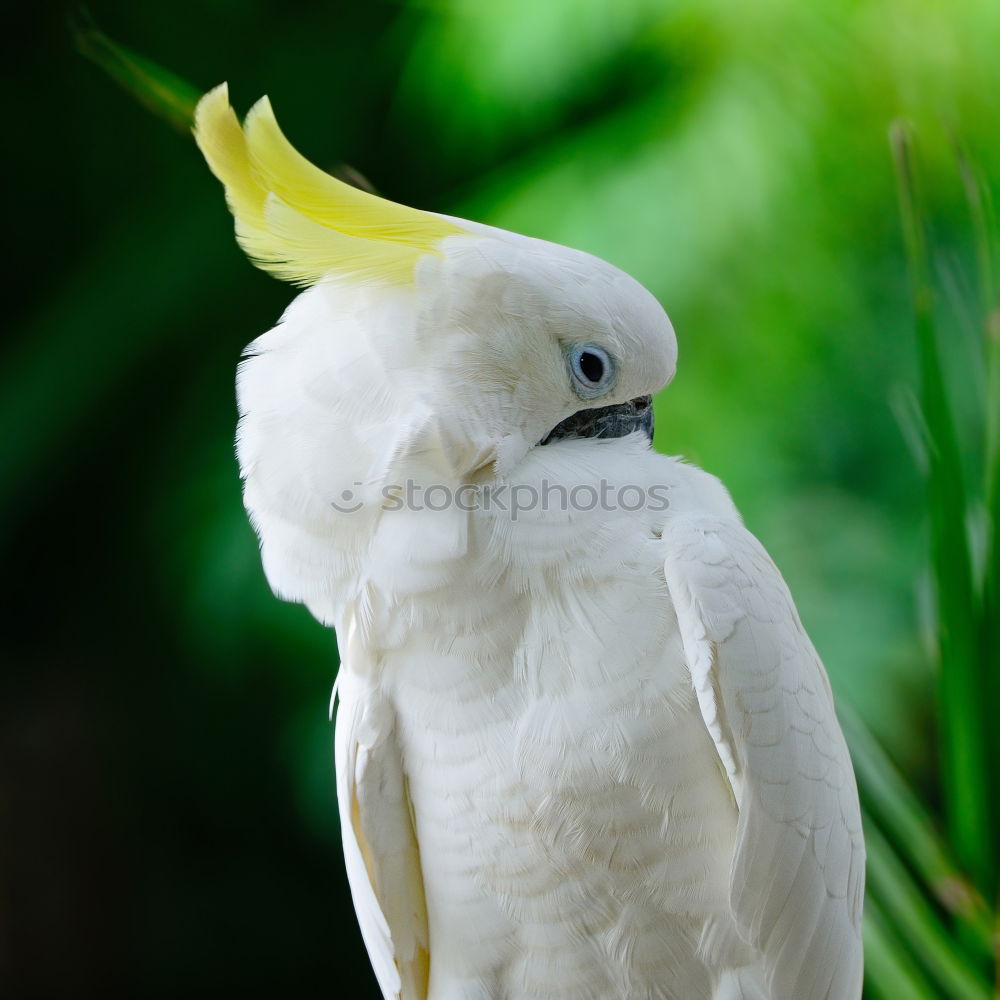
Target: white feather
point(798, 871)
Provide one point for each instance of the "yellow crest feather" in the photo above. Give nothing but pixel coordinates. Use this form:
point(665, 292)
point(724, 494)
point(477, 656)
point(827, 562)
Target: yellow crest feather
point(296, 221)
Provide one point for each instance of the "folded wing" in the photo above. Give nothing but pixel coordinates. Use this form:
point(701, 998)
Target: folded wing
point(797, 879)
point(380, 846)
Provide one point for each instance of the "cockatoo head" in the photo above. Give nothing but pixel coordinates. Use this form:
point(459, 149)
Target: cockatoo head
point(502, 337)
point(424, 346)
point(517, 336)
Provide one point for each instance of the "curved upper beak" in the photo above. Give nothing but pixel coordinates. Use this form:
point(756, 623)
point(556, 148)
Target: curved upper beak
point(606, 421)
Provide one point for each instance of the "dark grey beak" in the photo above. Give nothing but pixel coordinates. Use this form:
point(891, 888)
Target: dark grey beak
point(606, 421)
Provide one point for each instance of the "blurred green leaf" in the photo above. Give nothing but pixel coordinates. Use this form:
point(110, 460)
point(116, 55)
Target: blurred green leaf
point(963, 681)
point(165, 94)
point(906, 907)
point(889, 970)
point(906, 821)
point(985, 228)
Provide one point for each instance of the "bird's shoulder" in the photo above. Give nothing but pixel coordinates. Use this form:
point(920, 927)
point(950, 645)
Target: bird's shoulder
point(693, 492)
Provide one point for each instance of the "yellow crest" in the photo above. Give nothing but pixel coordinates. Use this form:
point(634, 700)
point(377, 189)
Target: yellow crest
point(296, 221)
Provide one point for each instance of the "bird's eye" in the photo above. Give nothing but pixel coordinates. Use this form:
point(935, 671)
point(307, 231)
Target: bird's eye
point(591, 368)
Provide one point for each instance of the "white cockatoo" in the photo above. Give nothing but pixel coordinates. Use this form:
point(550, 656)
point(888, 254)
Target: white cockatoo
point(584, 747)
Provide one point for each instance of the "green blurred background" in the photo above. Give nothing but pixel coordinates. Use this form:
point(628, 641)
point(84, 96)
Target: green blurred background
point(167, 813)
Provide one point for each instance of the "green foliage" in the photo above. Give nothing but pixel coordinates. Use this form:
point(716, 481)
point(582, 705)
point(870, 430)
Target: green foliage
point(734, 159)
point(929, 930)
point(957, 593)
point(964, 627)
point(159, 90)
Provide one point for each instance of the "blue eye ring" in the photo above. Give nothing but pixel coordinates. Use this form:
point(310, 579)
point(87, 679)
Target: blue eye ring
point(592, 370)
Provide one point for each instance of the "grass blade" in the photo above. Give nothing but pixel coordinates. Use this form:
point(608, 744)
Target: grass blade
point(889, 969)
point(985, 230)
point(900, 814)
point(914, 918)
point(962, 686)
point(165, 94)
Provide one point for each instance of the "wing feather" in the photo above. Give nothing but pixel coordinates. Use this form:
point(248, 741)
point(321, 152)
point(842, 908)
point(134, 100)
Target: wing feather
point(380, 847)
point(797, 878)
